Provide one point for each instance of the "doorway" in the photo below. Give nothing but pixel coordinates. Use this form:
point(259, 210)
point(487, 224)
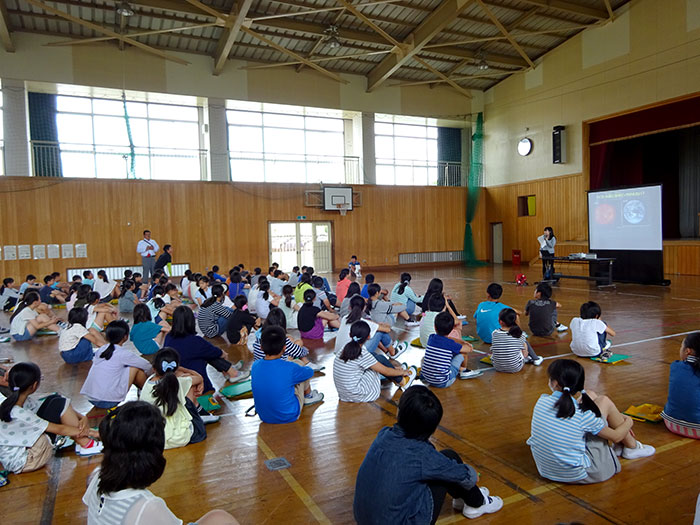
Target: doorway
point(301, 244)
point(497, 242)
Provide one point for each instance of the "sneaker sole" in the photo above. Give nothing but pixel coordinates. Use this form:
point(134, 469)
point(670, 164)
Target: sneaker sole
point(317, 401)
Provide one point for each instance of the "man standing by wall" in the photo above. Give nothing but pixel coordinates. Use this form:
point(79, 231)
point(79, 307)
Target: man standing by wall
point(148, 248)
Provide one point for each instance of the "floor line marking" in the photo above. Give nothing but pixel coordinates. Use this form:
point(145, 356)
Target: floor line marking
point(295, 486)
point(669, 336)
point(558, 356)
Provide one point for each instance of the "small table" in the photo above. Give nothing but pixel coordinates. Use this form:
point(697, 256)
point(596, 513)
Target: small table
point(606, 280)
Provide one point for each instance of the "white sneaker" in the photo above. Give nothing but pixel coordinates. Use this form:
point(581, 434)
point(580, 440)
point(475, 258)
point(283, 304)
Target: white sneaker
point(470, 374)
point(537, 361)
point(562, 328)
point(314, 397)
point(409, 379)
point(412, 323)
point(458, 503)
point(316, 367)
point(460, 317)
point(607, 346)
point(399, 348)
point(491, 504)
point(640, 451)
point(92, 450)
point(242, 376)
point(239, 365)
point(208, 418)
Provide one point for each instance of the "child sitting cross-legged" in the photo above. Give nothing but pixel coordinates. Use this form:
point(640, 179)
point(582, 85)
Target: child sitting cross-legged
point(281, 388)
point(76, 341)
point(588, 333)
point(571, 428)
point(117, 492)
point(357, 373)
point(445, 358)
point(682, 411)
point(174, 391)
point(486, 313)
point(27, 320)
point(542, 311)
point(510, 349)
point(404, 479)
point(146, 335)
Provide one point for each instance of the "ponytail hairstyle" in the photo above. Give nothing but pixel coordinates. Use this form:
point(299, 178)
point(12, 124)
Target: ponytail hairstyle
point(127, 285)
point(287, 293)
point(264, 287)
point(353, 289)
point(304, 279)
point(217, 292)
point(510, 319)
point(115, 333)
point(30, 297)
point(570, 377)
point(692, 342)
point(405, 279)
point(343, 274)
point(357, 304)
point(276, 317)
point(359, 332)
point(6, 282)
point(78, 316)
point(83, 292)
point(93, 297)
point(372, 290)
point(240, 301)
point(103, 275)
point(20, 378)
point(309, 296)
point(165, 363)
point(74, 289)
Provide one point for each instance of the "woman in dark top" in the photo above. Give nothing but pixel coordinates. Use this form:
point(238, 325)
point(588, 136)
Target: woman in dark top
point(436, 288)
point(311, 321)
point(241, 323)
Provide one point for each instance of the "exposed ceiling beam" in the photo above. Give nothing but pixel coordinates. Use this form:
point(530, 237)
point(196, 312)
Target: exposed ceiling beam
point(319, 59)
point(292, 54)
point(569, 7)
point(456, 79)
point(208, 10)
point(442, 76)
point(320, 40)
point(5, 36)
point(506, 34)
point(104, 30)
point(313, 11)
point(386, 36)
point(76, 41)
point(176, 6)
point(232, 28)
point(611, 15)
point(514, 34)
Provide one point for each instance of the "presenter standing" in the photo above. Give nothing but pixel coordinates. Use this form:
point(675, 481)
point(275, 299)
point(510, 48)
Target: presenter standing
point(147, 248)
point(547, 242)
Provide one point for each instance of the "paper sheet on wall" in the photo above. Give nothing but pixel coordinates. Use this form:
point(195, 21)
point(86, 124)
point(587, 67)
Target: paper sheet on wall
point(52, 250)
point(67, 251)
point(39, 251)
point(25, 251)
point(81, 251)
point(10, 253)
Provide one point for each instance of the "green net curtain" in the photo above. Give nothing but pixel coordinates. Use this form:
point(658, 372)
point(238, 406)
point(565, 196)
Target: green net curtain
point(474, 183)
point(43, 131)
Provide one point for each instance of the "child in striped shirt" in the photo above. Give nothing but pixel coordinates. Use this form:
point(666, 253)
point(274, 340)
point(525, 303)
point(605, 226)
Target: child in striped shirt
point(571, 429)
point(509, 348)
point(444, 359)
point(213, 315)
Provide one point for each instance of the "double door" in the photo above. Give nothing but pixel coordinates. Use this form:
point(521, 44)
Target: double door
point(301, 244)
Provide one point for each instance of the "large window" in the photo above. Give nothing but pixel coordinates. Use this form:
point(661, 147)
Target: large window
point(406, 150)
point(275, 143)
point(116, 139)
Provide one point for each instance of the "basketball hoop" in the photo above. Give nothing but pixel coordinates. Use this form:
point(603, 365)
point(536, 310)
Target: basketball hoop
point(342, 208)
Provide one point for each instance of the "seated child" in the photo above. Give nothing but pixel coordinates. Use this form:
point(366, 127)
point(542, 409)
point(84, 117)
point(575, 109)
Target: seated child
point(196, 352)
point(99, 313)
point(289, 306)
point(128, 299)
point(354, 266)
point(445, 358)
point(217, 276)
point(303, 285)
point(357, 373)
point(147, 335)
point(381, 310)
point(50, 295)
point(29, 282)
point(266, 299)
point(114, 369)
point(312, 321)
point(241, 323)
point(72, 295)
point(76, 341)
point(237, 287)
point(486, 313)
point(29, 428)
point(404, 479)
point(588, 333)
point(510, 349)
point(403, 293)
point(682, 411)
point(88, 278)
point(106, 287)
point(117, 492)
point(341, 289)
point(369, 279)
point(203, 291)
point(322, 300)
point(292, 349)
point(571, 428)
point(213, 315)
point(353, 290)
point(281, 388)
point(172, 300)
point(25, 322)
point(436, 287)
point(8, 294)
point(427, 323)
point(543, 312)
point(141, 287)
point(81, 296)
point(174, 391)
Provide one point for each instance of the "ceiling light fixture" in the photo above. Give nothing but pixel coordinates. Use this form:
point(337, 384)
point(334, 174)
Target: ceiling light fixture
point(482, 65)
point(124, 9)
point(331, 39)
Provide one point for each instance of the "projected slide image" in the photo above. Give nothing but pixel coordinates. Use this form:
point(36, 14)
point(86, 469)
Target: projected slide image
point(628, 219)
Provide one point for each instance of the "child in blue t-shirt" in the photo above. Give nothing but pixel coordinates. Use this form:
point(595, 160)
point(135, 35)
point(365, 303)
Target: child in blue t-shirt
point(280, 388)
point(369, 279)
point(146, 335)
point(445, 358)
point(486, 314)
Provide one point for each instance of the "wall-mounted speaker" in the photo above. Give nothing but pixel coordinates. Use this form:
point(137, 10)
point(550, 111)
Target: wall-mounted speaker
point(559, 145)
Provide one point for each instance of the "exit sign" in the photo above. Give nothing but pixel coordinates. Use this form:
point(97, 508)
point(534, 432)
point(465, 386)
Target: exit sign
point(301, 217)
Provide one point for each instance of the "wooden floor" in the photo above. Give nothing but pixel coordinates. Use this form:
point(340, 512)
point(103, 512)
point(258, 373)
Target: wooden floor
point(487, 420)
